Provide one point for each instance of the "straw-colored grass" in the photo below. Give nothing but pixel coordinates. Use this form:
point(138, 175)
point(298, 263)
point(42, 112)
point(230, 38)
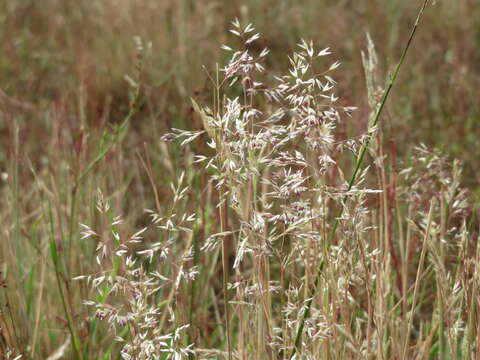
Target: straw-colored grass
point(277, 202)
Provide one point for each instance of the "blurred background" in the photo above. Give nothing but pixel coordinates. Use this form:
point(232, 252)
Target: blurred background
point(63, 64)
point(62, 88)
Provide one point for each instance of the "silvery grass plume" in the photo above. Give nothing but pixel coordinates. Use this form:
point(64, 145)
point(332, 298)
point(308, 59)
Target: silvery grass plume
point(130, 281)
point(452, 250)
point(275, 166)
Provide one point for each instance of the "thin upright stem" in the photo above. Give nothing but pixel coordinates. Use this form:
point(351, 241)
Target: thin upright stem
point(225, 246)
point(356, 171)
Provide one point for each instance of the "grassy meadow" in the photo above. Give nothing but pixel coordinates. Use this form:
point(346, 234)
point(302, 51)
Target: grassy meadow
point(268, 179)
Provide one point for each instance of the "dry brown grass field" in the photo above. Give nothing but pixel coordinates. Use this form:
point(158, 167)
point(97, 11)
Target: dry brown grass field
point(242, 179)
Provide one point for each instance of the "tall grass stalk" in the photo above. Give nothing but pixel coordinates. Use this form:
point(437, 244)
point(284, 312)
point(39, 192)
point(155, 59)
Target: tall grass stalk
point(58, 275)
point(357, 168)
point(417, 279)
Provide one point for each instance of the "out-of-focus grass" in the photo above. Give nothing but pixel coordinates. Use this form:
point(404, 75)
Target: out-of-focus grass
point(62, 69)
point(76, 54)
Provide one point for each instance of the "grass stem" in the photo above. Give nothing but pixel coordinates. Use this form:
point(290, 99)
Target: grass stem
point(356, 171)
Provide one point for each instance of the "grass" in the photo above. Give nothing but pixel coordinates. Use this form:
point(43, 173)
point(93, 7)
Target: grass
point(297, 215)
